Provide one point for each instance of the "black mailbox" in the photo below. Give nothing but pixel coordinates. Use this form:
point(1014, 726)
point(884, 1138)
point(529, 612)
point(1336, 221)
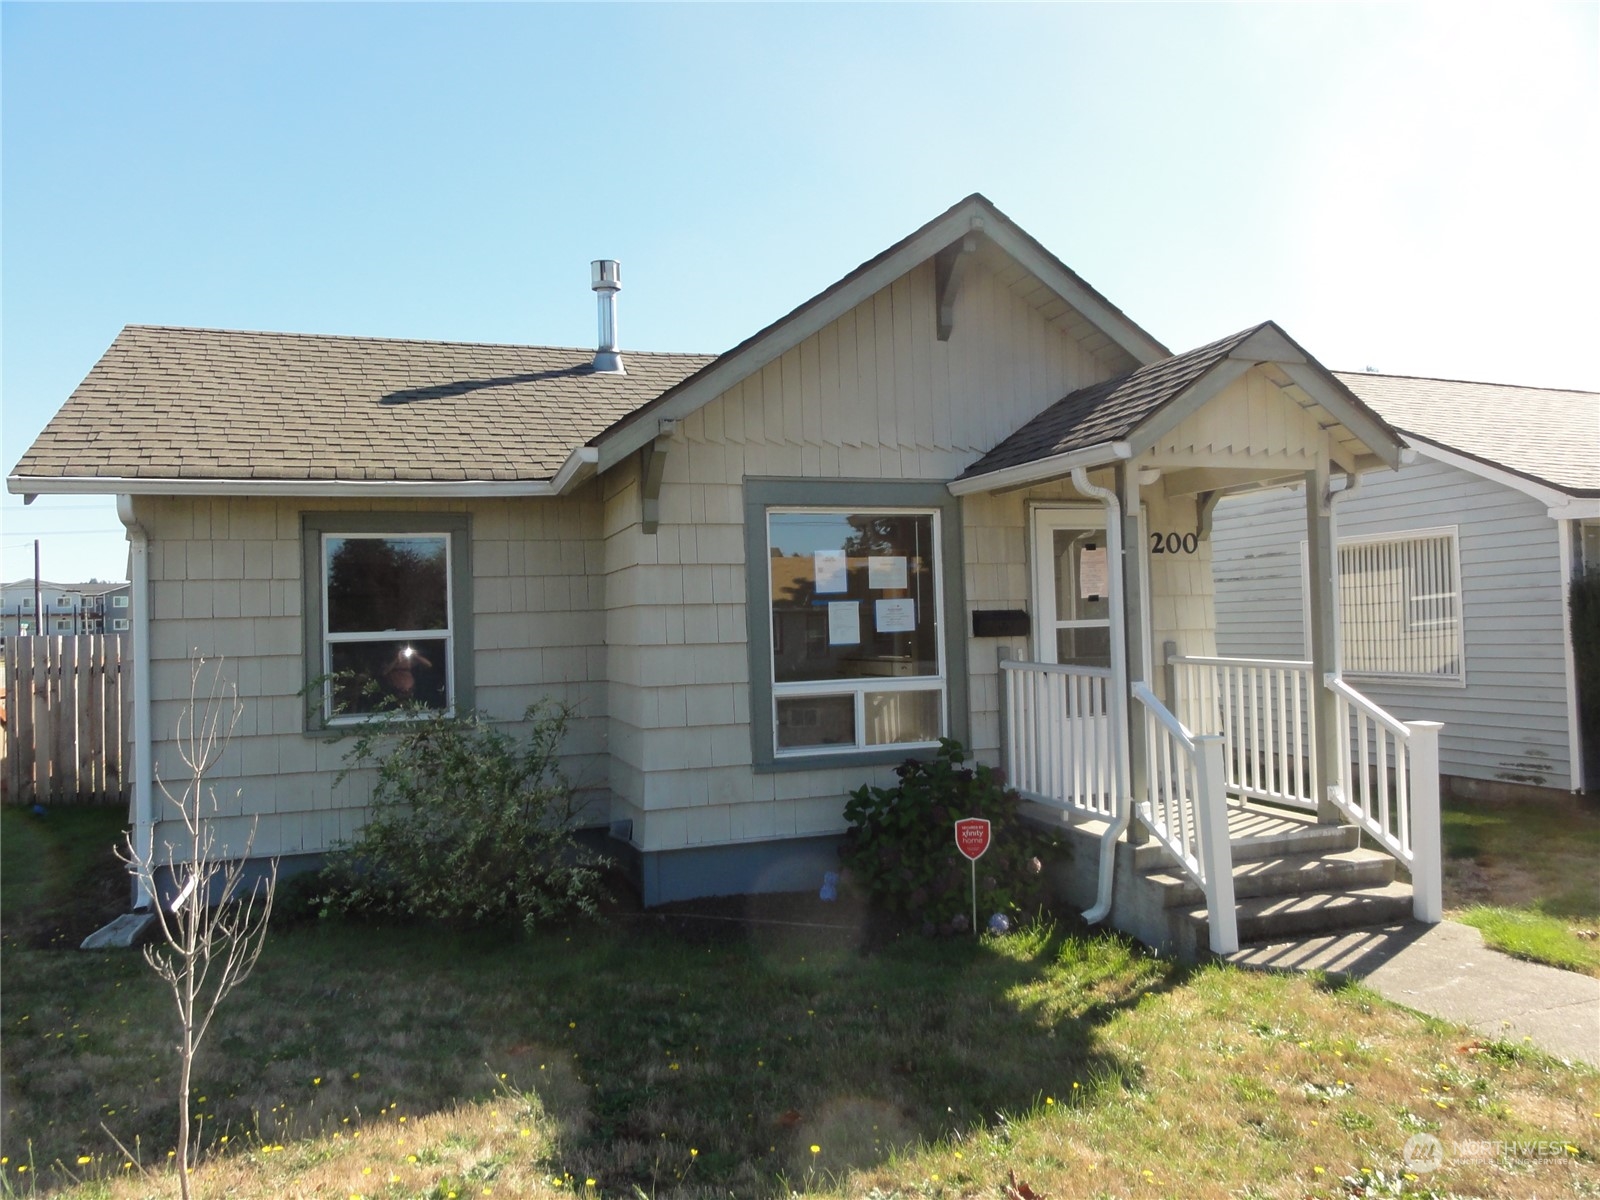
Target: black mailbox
point(1000, 622)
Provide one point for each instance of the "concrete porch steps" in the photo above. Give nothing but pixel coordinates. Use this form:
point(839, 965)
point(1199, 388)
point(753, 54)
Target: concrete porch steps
point(1285, 875)
point(1292, 878)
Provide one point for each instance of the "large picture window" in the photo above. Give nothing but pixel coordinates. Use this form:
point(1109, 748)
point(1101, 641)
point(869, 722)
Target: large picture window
point(1400, 606)
point(857, 653)
point(386, 603)
point(855, 614)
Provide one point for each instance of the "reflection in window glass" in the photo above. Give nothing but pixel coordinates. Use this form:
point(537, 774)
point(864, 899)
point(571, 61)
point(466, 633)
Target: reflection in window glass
point(386, 620)
point(855, 602)
point(816, 721)
point(896, 717)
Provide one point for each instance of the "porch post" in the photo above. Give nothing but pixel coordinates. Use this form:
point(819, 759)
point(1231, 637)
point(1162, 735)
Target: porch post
point(1322, 556)
point(1133, 601)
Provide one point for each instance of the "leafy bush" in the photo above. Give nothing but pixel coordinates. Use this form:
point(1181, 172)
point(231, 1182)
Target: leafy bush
point(469, 825)
point(901, 843)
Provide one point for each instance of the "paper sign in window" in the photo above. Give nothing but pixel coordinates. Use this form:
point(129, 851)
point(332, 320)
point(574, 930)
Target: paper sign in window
point(1093, 577)
point(844, 623)
point(886, 571)
point(896, 616)
point(830, 568)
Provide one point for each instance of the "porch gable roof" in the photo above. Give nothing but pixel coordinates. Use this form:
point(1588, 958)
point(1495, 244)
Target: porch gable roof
point(1121, 417)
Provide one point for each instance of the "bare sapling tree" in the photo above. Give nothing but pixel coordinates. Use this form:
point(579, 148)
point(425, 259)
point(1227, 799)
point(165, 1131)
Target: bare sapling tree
point(212, 920)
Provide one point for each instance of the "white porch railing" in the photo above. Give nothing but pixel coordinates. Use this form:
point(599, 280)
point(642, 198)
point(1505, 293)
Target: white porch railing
point(1059, 739)
point(1391, 790)
point(1262, 709)
point(1186, 810)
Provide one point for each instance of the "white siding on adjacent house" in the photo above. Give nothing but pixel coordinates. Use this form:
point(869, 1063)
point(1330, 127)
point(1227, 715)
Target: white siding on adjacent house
point(1509, 723)
point(225, 579)
point(873, 396)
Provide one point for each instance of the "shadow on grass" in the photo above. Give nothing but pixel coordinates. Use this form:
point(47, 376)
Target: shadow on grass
point(659, 1049)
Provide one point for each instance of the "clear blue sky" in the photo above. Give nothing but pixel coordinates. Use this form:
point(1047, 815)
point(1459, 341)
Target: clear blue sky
point(1403, 187)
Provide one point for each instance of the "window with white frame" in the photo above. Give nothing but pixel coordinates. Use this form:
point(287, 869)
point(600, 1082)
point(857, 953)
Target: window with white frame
point(119, 602)
point(386, 621)
point(119, 624)
point(855, 614)
point(1400, 606)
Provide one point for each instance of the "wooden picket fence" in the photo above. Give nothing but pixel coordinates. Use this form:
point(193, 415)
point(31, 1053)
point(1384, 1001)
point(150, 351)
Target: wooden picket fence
point(68, 719)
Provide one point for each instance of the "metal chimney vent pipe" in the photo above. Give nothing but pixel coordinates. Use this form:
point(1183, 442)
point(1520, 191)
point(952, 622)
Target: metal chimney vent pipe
point(606, 277)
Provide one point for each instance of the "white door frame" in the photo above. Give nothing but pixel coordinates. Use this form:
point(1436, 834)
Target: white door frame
point(1043, 522)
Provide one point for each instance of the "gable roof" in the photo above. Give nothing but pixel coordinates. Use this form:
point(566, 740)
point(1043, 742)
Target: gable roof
point(1102, 326)
point(270, 411)
point(226, 412)
point(1548, 435)
point(1117, 418)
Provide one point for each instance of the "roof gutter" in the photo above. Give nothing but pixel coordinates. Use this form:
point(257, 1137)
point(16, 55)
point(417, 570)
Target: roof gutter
point(1041, 470)
point(579, 466)
point(143, 799)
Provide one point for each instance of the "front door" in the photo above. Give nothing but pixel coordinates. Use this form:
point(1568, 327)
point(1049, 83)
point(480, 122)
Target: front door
point(1071, 587)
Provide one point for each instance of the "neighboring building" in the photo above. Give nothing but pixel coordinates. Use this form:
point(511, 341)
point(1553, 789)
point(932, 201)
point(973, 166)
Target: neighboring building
point(764, 577)
point(65, 608)
point(1454, 574)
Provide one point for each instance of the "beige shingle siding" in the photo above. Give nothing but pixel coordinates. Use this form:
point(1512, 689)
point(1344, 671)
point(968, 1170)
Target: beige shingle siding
point(172, 403)
point(225, 580)
point(1543, 433)
point(873, 395)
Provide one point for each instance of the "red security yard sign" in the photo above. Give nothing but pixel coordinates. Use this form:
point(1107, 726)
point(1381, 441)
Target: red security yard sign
point(972, 839)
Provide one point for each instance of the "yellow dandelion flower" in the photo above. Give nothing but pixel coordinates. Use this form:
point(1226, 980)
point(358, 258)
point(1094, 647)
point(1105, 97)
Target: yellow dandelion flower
point(816, 1149)
point(316, 1081)
point(84, 1158)
point(588, 1183)
point(693, 1153)
point(355, 1074)
point(1319, 1170)
point(1049, 1099)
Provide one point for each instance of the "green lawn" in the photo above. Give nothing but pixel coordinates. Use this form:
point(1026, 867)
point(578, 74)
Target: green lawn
point(1528, 876)
point(708, 1059)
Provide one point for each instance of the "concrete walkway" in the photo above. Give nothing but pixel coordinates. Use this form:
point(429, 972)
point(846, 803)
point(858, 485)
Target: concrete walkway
point(1446, 970)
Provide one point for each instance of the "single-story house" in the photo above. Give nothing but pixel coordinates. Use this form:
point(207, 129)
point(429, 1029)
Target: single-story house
point(1454, 576)
point(957, 494)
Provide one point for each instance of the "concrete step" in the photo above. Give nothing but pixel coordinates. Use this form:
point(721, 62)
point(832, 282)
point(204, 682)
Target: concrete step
point(1309, 839)
point(1285, 875)
point(1276, 918)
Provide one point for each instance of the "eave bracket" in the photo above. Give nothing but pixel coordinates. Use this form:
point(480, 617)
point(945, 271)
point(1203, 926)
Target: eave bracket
point(653, 469)
point(950, 269)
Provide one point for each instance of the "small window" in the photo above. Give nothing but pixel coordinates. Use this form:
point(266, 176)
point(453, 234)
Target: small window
point(1399, 606)
point(119, 602)
point(119, 624)
point(27, 605)
point(386, 598)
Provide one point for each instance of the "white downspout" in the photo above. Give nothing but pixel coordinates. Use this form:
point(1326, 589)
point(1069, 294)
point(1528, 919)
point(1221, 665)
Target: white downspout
point(143, 800)
point(1119, 690)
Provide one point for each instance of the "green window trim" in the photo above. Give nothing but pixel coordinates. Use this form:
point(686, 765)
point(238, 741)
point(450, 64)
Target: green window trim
point(761, 495)
point(314, 525)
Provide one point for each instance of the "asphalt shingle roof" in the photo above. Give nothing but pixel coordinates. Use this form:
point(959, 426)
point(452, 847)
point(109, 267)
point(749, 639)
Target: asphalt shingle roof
point(1542, 433)
point(1107, 411)
point(177, 403)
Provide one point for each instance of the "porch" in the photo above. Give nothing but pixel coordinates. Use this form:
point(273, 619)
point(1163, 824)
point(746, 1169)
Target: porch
point(1198, 827)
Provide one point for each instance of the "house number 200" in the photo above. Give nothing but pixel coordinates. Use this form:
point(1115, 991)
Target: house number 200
point(1174, 543)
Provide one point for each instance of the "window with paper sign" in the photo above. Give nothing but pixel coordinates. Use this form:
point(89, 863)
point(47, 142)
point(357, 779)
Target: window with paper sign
point(856, 616)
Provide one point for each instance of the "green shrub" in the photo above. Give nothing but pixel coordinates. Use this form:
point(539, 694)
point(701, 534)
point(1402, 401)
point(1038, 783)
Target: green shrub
point(469, 824)
point(901, 843)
